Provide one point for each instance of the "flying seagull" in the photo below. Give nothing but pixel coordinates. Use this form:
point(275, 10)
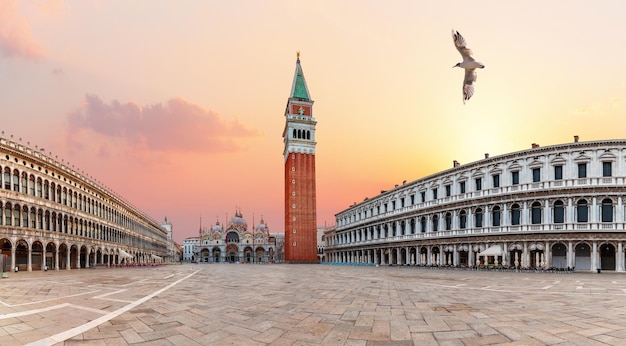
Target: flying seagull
point(469, 64)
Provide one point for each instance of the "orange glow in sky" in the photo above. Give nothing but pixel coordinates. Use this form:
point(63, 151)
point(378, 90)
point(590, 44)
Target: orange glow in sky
point(178, 106)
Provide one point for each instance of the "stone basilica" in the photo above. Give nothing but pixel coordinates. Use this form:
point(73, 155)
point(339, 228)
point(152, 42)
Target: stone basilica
point(235, 243)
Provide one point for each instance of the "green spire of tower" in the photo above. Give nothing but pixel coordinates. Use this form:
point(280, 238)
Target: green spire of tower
point(299, 89)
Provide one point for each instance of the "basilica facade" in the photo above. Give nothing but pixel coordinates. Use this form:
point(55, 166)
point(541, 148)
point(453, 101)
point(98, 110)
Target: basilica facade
point(233, 243)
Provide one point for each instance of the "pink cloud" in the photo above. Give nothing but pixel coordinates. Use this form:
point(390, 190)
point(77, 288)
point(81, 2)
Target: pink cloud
point(174, 126)
point(16, 39)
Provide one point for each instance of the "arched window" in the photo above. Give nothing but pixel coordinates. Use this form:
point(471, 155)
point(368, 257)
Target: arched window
point(478, 218)
point(607, 210)
point(423, 224)
point(16, 180)
point(463, 219)
point(495, 216)
point(559, 212)
point(308, 135)
point(448, 221)
point(16, 216)
point(7, 178)
point(535, 216)
point(8, 212)
point(582, 211)
point(294, 133)
point(435, 223)
point(515, 214)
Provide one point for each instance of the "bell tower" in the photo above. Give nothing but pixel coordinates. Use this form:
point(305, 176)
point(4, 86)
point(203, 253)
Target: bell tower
point(299, 157)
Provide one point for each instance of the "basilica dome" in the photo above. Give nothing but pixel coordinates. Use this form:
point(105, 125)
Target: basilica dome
point(238, 222)
point(216, 228)
point(262, 227)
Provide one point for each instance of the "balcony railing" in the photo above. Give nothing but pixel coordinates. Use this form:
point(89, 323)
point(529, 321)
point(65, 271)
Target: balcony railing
point(482, 231)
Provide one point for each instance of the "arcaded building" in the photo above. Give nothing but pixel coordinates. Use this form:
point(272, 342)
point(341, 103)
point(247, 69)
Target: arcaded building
point(53, 217)
point(559, 206)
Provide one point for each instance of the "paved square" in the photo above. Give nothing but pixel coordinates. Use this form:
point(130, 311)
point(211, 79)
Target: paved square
point(243, 304)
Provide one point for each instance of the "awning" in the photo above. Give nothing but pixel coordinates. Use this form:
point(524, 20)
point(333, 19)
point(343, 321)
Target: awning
point(494, 250)
point(125, 254)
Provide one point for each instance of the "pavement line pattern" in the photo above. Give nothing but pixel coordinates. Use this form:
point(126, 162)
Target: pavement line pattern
point(68, 334)
point(102, 296)
point(36, 311)
point(47, 300)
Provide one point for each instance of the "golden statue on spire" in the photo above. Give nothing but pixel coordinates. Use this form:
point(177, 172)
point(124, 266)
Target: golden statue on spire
point(298, 54)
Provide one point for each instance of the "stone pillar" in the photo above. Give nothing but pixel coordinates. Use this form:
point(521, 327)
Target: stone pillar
point(56, 258)
point(570, 255)
point(547, 255)
point(619, 257)
point(43, 258)
point(29, 265)
point(525, 258)
point(67, 258)
point(594, 256)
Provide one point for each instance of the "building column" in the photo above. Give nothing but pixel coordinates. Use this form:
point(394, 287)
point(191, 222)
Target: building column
point(594, 256)
point(69, 253)
point(43, 258)
point(525, 256)
point(29, 265)
point(13, 257)
point(619, 258)
point(570, 255)
point(56, 259)
point(547, 255)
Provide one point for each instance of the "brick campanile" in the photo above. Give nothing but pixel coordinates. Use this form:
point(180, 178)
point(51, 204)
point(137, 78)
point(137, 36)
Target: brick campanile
point(299, 156)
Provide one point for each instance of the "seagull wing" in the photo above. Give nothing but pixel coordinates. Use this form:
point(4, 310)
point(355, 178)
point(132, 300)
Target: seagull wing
point(468, 84)
point(461, 46)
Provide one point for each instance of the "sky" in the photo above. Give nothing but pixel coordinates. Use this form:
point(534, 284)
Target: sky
point(178, 106)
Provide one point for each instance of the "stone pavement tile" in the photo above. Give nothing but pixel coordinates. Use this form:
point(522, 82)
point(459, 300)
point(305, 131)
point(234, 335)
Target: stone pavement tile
point(544, 337)
point(212, 337)
point(382, 328)
point(188, 331)
point(364, 320)
point(269, 335)
point(607, 339)
point(350, 343)
point(485, 340)
point(483, 329)
point(356, 335)
point(425, 339)
point(399, 331)
point(594, 331)
point(320, 329)
point(156, 335)
point(283, 342)
point(131, 336)
point(139, 326)
point(575, 339)
point(336, 337)
point(241, 331)
point(18, 327)
point(181, 339)
point(456, 334)
point(94, 334)
point(27, 336)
